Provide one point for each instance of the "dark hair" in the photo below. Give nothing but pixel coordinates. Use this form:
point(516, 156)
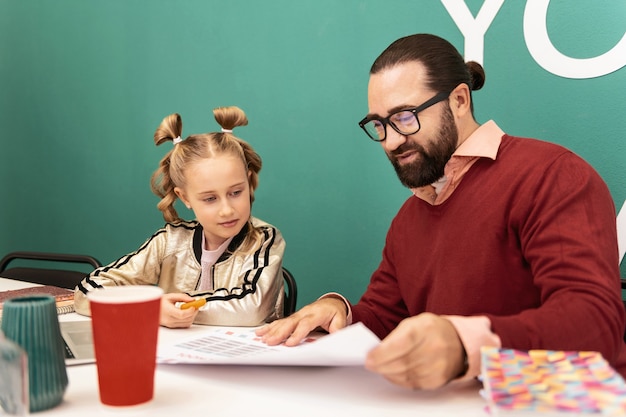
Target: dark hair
point(445, 66)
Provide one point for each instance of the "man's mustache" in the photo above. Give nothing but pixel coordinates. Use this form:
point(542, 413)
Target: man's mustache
point(407, 147)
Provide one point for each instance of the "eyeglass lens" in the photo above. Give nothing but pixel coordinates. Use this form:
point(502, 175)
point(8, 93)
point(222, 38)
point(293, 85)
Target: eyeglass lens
point(405, 122)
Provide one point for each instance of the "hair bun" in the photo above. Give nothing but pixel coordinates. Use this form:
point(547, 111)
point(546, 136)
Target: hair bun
point(477, 75)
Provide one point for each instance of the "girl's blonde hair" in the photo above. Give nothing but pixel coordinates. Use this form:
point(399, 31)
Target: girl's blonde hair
point(171, 171)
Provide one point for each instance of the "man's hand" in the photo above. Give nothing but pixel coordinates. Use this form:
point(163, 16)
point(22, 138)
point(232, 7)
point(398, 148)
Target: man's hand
point(329, 313)
point(423, 352)
point(174, 317)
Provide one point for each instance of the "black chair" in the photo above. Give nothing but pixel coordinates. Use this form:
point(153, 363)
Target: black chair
point(291, 293)
point(42, 273)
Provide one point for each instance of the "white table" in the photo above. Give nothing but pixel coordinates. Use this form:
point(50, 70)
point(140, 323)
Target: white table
point(224, 390)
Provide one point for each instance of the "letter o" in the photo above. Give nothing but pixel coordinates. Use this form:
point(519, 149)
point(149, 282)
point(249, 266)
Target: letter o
point(549, 58)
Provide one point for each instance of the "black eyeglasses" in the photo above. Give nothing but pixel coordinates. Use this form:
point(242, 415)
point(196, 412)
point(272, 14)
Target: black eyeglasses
point(405, 122)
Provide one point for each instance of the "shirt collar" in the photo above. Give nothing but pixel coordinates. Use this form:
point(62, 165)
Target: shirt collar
point(483, 142)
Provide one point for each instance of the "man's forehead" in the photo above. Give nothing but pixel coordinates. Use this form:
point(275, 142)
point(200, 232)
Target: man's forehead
point(400, 85)
point(404, 70)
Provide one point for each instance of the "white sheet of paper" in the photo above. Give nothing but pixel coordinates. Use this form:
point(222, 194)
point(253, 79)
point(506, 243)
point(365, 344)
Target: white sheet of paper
point(241, 346)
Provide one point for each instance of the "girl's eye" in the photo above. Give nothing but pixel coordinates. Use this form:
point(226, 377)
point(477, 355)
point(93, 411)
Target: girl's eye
point(209, 199)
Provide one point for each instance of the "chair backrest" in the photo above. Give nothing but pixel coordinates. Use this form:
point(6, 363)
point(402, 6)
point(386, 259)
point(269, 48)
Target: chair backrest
point(291, 292)
point(46, 275)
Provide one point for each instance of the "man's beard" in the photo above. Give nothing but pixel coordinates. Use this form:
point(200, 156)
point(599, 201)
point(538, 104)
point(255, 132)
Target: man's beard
point(429, 166)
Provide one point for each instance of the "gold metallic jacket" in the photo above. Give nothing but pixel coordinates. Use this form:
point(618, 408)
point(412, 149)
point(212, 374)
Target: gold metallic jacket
point(248, 288)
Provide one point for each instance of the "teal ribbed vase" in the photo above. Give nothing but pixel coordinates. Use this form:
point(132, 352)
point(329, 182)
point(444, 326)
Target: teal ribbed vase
point(32, 322)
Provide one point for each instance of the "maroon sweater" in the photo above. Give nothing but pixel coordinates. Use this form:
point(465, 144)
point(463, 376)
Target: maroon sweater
point(528, 240)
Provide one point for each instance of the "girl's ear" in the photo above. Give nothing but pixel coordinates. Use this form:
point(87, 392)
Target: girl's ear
point(181, 194)
point(250, 187)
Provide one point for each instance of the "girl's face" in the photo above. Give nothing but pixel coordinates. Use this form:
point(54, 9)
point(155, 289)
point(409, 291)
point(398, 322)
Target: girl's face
point(218, 192)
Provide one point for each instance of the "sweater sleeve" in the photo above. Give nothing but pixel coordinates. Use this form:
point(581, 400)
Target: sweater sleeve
point(568, 238)
point(382, 306)
point(141, 267)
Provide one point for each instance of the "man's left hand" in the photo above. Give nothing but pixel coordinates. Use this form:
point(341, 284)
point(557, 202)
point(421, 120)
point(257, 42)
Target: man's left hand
point(423, 352)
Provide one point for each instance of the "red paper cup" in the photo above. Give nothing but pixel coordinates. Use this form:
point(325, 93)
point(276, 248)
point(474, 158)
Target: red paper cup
point(125, 322)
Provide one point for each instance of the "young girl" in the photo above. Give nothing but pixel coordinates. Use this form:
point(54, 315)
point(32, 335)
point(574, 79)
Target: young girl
point(226, 256)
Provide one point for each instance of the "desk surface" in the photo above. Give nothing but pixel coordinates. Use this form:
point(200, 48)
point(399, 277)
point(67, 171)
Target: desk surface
point(224, 390)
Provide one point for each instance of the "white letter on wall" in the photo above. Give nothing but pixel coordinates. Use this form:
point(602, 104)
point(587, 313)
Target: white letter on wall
point(473, 29)
point(621, 232)
point(547, 56)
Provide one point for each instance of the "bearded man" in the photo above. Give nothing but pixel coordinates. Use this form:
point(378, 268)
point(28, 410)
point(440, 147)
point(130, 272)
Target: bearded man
point(506, 241)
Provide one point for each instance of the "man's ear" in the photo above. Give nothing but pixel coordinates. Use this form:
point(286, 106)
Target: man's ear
point(461, 100)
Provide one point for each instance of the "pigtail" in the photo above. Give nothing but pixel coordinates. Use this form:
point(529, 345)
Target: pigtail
point(254, 163)
point(171, 127)
point(161, 182)
point(230, 117)
point(162, 185)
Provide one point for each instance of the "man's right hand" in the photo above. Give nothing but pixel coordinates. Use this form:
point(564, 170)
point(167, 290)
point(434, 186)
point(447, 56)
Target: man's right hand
point(329, 313)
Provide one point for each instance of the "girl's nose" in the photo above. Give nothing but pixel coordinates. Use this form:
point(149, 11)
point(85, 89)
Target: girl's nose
point(226, 208)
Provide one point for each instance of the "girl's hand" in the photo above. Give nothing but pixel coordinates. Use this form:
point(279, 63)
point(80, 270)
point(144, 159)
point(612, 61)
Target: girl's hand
point(172, 316)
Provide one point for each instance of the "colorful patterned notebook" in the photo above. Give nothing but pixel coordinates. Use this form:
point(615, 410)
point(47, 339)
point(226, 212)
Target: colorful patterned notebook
point(546, 383)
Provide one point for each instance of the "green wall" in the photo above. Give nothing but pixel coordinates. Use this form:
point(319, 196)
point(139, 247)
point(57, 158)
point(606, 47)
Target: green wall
point(84, 84)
